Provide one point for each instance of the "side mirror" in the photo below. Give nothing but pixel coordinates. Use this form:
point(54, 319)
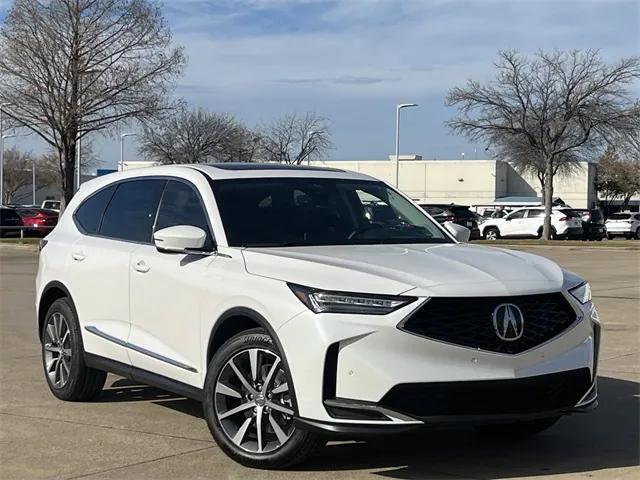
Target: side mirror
point(180, 239)
point(459, 232)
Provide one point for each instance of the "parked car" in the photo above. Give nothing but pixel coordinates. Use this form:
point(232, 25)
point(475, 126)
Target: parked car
point(10, 222)
point(39, 220)
point(623, 224)
point(51, 205)
point(593, 227)
point(271, 294)
point(528, 222)
point(459, 214)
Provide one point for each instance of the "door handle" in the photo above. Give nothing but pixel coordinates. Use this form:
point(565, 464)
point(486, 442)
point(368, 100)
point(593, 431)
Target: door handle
point(141, 267)
point(78, 256)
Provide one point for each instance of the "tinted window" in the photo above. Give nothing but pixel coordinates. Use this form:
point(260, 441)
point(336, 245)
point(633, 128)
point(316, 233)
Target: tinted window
point(518, 214)
point(433, 211)
point(181, 205)
point(271, 212)
point(535, 213)
point(9, 214)
point(132, 210)
point(462, 212)
point(89, 214)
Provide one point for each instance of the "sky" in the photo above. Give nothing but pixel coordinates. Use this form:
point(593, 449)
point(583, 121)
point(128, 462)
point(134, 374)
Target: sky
point(352, 61)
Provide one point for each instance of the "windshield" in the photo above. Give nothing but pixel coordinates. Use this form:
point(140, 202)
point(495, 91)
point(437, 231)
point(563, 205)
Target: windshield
point(273, 212)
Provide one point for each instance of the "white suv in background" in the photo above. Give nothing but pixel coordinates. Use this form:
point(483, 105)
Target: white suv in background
point(623, 224)
point(274, 295)
point(527, 222)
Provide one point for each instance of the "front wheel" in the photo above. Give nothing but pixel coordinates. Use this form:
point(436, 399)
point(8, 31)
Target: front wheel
point(249, 404)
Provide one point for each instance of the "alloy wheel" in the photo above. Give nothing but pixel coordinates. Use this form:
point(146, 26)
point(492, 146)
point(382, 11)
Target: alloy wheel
point(57, 350)
point(492, 235)
point(253, 402)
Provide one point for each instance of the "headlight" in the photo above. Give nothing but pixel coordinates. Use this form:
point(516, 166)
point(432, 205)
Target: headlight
point(321, 301)
point(582, 293)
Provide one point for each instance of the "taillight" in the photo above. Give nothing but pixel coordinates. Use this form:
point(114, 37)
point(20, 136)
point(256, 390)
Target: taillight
point(563, 219)
point(450, 218)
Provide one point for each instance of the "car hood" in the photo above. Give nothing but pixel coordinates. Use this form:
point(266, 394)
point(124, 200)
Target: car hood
point(425, 270)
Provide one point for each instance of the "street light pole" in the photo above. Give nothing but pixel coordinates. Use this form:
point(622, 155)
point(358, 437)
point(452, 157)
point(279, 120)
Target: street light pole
point(122, 137)
point(2, 105)
point(398, 108)
point(33, 182)
point(310, 136)
point(2, 138)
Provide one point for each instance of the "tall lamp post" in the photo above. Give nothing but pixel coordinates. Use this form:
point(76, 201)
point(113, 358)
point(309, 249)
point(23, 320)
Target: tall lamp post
point(122, 137)
point(309, 138)
point(2, 139)
point(398, 108)
point(2, 105)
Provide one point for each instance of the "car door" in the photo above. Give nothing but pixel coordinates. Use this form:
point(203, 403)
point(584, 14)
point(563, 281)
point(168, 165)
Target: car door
point(167, 291)
point(514, 224)
point(534, 220)
point(113, 221)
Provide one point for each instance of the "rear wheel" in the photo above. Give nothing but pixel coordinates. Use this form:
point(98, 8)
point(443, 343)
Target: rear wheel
point(637, 235)
point(491, 233)
point(63, 356)
point(249, 404)
point(517, 429)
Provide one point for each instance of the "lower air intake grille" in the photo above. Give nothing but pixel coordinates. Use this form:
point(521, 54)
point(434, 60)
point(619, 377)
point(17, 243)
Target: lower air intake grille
point(490, 397)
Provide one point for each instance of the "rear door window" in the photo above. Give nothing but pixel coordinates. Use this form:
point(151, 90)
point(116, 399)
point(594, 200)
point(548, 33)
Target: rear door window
point(132, 210)
point(536, 213)
point(89, 215)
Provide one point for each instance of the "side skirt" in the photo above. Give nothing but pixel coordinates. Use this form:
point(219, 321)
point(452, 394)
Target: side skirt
point(143, 376)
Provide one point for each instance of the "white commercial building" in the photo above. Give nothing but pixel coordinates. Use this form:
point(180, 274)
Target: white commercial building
point(473, 182)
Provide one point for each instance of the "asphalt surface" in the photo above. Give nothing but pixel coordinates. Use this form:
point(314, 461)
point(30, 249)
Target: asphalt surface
point(135, 431)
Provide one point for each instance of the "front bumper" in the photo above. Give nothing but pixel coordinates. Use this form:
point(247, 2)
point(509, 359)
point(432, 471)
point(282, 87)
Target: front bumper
point(346, 370)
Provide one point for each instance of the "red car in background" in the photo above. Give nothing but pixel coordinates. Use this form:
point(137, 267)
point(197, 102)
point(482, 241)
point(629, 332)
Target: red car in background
point(39, 221)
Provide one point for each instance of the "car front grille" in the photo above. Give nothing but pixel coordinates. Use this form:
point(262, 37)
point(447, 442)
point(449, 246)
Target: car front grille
point(468, 321)
point(530, 395)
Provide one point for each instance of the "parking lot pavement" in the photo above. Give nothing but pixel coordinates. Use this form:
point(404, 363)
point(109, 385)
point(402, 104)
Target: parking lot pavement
point(134, 431)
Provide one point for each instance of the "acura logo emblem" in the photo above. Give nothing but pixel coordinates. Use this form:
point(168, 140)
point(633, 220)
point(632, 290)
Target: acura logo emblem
point(508, 322)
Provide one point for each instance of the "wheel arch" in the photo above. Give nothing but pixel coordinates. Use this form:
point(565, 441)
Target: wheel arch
point(52, 291)
point(240, 319)
point(234, 321)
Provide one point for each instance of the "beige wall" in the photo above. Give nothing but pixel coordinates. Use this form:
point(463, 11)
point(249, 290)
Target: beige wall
point(471, 181)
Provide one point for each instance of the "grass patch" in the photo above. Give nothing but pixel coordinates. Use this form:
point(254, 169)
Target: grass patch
point(628, 244)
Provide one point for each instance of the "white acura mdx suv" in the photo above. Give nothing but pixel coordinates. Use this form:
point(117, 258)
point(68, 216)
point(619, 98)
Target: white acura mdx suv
point(300, 303)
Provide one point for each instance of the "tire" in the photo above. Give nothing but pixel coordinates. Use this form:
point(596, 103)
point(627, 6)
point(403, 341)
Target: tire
point(63, 356)
point(517, 430)
point(224, 391)
point(491, 233)
point(637, 235)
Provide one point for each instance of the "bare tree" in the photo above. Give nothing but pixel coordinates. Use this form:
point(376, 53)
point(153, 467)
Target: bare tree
point(295, 139)
point(548, 110)
point(48, 165)
point(72, 67)
point(17, 173)
point(198, 136)
point(618, 175)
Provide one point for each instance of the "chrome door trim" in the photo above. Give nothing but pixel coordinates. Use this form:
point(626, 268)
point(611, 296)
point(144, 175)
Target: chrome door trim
point(136, 348)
